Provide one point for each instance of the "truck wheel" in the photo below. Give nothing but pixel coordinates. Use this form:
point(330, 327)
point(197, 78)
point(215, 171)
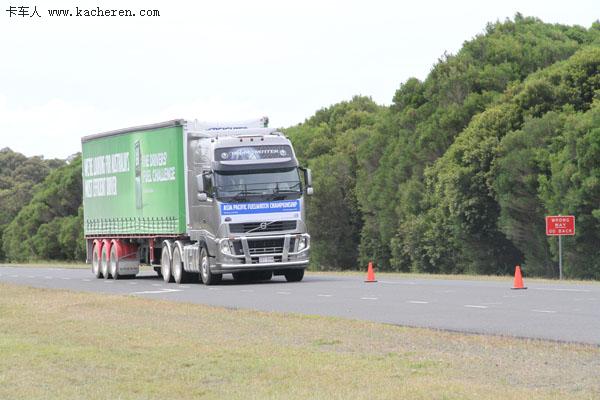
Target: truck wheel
point(207, 277)
point(179, 274)
point(96, 267)
point(114, 263)
point(104, 261)
point(294, 275)
point(165, 262)
point(264, 275)
point(241, 276)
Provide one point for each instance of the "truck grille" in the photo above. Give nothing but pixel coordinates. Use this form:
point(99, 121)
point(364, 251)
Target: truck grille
point(255, 227)
point(263, 246)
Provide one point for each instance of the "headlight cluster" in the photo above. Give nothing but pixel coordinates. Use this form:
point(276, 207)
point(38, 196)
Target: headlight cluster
point(226, 247)
point(302, 243)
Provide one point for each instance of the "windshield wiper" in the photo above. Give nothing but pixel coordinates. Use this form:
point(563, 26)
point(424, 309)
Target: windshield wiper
point(241, 195)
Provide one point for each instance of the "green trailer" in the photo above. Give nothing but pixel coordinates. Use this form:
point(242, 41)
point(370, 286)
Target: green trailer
point(133, 182)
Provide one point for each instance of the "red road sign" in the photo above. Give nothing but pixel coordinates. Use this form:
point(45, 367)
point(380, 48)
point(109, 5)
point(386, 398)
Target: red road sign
point(558, 225)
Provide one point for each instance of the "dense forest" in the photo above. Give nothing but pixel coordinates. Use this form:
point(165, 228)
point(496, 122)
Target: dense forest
point(455, 176)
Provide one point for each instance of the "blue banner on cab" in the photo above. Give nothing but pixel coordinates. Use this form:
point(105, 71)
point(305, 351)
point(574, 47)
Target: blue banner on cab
point(260, 207)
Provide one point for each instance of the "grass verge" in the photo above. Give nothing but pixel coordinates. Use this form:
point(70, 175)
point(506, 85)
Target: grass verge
point(60, 344)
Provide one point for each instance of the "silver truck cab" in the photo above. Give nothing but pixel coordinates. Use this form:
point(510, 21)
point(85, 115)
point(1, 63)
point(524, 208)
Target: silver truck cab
point(246, 205)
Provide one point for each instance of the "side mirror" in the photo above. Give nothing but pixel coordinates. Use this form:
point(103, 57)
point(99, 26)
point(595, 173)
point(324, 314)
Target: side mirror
point(201, 195)
point(200, 183)
point(308, 181)
point(308, 177)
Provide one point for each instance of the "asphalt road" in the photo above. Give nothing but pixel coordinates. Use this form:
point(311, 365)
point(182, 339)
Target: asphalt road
point(562, 312)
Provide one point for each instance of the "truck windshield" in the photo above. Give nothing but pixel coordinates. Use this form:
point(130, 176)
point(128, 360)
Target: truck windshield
point(274, 184)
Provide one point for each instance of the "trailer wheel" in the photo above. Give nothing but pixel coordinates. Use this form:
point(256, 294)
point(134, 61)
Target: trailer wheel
point(105, 259)
point(208, 278)
point(166, 262)
point(294, 275)
point(179, 274)
point(114, 263)
point(96, 267)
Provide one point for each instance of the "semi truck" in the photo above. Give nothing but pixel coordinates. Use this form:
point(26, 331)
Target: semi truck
point(195, 200)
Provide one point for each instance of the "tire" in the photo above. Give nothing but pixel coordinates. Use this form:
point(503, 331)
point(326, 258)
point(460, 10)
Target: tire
point(104, 262)
point(294, 275)
point(208, 278)
point(241, 276)
point(264, 275)
point(166, 263)
point(179, 274)
point(96, 260)
point(114, 263)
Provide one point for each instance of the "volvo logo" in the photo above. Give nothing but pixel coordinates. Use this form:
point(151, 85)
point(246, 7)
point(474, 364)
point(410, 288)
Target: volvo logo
point(263, 226)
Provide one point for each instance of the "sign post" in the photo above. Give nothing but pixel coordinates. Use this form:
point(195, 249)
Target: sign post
point(560, 225)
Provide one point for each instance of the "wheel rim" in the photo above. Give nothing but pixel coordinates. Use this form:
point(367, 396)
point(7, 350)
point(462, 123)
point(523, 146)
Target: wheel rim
point(113, 265)
point(177, 265)
point(104, 265)
point(204, 267)
point(165, 265)
point(95, 262)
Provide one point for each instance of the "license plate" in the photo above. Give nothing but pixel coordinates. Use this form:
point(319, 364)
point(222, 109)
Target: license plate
point(266, 259)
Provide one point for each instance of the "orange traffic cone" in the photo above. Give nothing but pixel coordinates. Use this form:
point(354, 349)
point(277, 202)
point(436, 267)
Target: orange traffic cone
point(518, 283)
point(370, 273)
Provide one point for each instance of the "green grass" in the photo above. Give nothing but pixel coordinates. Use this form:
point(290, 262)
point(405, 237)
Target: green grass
point(60, 344)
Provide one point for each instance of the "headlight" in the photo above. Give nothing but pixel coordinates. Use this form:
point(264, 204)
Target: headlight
point(303, 243)
point(225, 247)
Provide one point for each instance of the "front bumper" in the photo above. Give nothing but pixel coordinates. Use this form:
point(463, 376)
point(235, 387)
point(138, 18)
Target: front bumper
point(256, 253)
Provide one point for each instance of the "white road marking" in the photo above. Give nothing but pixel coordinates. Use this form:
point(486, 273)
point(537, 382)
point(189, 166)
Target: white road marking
point(247, 291)
point(563, 290)
point(184, 287)
point(325, 295)
point(398, 283)
point(47, 277)
point(14, 276)
point(545, 311)
point(157, 291)
point(418, 302)
point(214, 288)
point(133, 283)
point(284, 292)
point(86, 280)
point(492, 304)
point(368, 298)
point(65, 279)
point(156, 284)
point(474, 306)
point(108, 281)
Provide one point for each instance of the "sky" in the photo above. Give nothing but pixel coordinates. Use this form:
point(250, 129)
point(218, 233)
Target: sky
point(62, 78)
